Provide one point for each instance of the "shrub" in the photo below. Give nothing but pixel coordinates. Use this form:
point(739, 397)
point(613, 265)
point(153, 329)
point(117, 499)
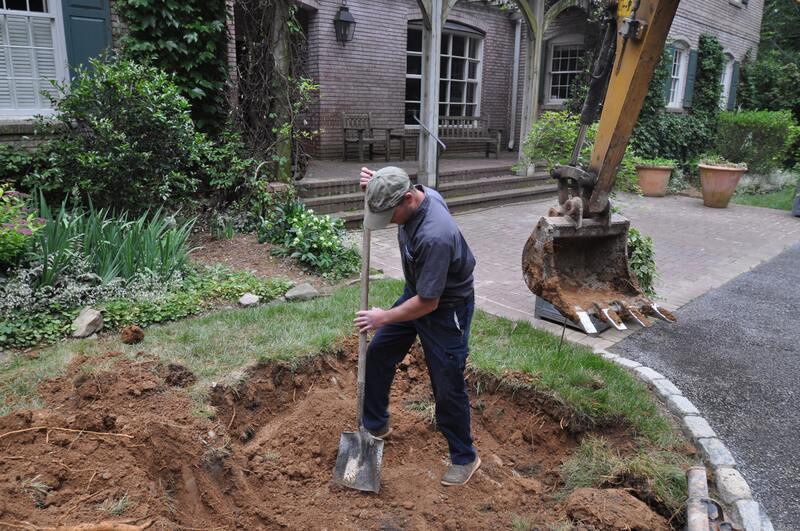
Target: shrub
point(15, 164)
point(759, 138)
point(641, 259)
point(129, 142)
point(18, 227)
point(772, 82)
point(552, 139)
point(319, 243)
point(626, 179)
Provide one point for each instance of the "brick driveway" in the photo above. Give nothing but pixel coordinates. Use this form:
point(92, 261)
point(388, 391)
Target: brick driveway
point(697, 249)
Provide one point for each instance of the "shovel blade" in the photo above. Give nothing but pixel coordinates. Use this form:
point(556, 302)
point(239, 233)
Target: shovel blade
point(358, 463)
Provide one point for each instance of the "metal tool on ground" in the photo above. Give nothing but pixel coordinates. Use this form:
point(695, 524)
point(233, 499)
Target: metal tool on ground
point(576, 257)
point(358, 463)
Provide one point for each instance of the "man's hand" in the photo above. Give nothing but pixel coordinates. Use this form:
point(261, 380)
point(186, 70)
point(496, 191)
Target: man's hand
point(367, 320)
point(366, 176)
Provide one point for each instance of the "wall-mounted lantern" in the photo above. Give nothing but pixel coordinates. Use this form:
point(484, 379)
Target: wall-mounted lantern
point(344, 23)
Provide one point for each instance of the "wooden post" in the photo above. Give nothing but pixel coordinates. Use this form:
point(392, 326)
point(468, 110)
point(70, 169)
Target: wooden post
point(533, 11)
point(434, 14)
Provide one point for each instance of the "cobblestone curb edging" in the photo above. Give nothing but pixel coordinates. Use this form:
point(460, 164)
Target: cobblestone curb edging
point(746, 513)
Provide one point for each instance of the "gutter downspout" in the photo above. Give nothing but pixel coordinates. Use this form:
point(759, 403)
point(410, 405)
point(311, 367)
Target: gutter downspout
point(517, 18)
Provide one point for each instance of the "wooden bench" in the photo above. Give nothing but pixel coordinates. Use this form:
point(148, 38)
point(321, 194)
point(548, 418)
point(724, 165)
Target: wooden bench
point(358, 129)
point(470, 129)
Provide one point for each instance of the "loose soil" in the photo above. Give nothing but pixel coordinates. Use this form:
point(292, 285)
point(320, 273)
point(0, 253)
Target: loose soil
point(118, 441)
point(243, 252)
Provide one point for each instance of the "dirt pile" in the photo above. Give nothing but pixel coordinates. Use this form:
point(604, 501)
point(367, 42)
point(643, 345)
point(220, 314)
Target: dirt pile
point(118, 441)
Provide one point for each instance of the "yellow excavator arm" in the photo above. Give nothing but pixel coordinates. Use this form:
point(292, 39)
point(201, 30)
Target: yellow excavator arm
point(576, 258)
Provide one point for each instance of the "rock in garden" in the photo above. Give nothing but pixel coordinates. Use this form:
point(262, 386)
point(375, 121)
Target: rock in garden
point(130, 335)
point(303, 292)
point(87, 323)
point(249, 299)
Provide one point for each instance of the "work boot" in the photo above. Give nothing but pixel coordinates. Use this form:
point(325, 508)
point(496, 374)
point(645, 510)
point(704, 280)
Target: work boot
point(460, 474)
point(382, 433)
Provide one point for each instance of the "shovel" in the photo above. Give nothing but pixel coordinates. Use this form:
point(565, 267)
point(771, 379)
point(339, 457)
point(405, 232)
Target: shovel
point(358, 463)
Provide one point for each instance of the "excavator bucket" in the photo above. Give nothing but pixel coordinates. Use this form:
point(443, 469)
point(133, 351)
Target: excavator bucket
point(584, 272)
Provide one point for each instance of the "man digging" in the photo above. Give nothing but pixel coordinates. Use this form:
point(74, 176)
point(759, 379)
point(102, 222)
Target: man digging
point(436, 305)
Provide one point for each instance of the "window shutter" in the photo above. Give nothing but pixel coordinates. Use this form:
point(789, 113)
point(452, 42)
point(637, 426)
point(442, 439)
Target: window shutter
point(691, 71)
point(668, 81)
point(87, 28)
point(543, 73)
point(734, 83)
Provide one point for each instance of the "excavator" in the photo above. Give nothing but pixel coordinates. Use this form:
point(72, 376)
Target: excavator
point(576, 257)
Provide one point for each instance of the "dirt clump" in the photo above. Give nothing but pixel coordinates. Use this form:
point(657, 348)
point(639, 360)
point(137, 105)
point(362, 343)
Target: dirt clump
point(119, 440)
point(612, 509)
point(130, 335)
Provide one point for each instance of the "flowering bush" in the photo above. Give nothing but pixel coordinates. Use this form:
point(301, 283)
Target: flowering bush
point(318, 241)
point(18, 227)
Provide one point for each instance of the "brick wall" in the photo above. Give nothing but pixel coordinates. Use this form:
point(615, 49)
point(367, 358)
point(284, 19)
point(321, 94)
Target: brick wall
point(368, 74)
point(118, 26)
point(736, 26)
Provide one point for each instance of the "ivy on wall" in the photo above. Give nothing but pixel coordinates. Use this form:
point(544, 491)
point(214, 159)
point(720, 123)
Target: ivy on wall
point(187, 38)
point(681, 136)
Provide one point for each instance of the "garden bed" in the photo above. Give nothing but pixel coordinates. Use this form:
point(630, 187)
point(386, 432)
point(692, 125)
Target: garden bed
point(244, 253)
point(265, 459)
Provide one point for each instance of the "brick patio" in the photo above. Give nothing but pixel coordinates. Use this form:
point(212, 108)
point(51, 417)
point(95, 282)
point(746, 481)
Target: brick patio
point(697, 249)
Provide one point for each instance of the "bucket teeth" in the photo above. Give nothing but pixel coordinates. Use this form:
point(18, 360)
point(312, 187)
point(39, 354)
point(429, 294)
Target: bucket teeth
point(662, 313)
point(585, 321)
point(634, 314)
point(609, 316)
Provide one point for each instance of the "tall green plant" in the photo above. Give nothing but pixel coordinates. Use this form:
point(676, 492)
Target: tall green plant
point(112, 246)
point(187, 38)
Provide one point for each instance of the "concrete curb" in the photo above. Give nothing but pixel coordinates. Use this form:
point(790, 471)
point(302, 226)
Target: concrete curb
point(745, 512)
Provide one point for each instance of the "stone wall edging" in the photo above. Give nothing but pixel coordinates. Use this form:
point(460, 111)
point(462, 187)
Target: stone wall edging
point(745, 512)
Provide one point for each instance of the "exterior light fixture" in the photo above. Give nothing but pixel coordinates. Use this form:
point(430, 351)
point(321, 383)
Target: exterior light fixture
point(344, 23)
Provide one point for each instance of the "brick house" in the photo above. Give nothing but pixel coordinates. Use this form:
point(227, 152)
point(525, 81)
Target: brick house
point(482, 59)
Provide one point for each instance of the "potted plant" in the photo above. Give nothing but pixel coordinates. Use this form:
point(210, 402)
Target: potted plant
point(718, 179)
point(653, 175)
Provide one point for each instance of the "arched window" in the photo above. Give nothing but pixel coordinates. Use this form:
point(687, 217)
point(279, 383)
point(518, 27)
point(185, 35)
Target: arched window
point(459, 75)
point(725, 80)
point(680, 65)
point(565, 54)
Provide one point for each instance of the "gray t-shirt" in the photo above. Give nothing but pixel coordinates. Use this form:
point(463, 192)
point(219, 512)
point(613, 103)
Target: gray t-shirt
point(437, 262)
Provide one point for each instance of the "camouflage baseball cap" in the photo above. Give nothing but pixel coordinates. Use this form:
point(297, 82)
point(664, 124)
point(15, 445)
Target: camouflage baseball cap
point(384, 192)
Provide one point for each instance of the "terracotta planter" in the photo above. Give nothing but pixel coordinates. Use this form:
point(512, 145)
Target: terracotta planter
point(718, 184)
point(653, 180)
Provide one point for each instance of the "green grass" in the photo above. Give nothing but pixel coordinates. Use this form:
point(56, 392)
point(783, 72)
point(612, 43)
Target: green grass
point(217, 344)
point(597, 463)
point(782, 199)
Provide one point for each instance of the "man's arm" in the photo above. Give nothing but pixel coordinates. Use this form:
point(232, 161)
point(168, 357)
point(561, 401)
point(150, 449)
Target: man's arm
point(413, 308)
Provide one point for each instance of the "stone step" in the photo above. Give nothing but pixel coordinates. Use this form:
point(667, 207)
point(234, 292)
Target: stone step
point(353, 218)
point(327, 187)
point(328, 204)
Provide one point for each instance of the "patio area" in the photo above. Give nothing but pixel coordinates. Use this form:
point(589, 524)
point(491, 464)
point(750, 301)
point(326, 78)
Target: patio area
point(697, 249)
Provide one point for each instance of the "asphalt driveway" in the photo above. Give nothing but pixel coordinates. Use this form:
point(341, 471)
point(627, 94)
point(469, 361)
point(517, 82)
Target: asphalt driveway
point(735, 352)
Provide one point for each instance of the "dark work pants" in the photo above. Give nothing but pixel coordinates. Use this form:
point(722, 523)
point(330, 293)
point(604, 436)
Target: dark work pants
point(444, 334)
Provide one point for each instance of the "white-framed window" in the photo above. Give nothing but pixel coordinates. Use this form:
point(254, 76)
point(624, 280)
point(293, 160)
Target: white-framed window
point(565, 56)
point(725, 80)
point(32, 55)
point(677, 73)
point(460, 61)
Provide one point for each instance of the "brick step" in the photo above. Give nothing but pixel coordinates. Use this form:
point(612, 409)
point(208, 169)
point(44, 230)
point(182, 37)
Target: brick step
point(353, 218)
point(352, 201)
point(328, 187)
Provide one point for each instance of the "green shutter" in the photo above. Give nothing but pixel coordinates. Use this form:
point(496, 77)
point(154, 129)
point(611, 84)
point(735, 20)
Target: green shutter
point(87, 27)
point(691, 71)
point(670, 55)
point(734, 83)
point(543, 73)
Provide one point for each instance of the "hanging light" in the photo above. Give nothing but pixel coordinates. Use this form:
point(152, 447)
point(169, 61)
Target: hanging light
point(344, 23)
